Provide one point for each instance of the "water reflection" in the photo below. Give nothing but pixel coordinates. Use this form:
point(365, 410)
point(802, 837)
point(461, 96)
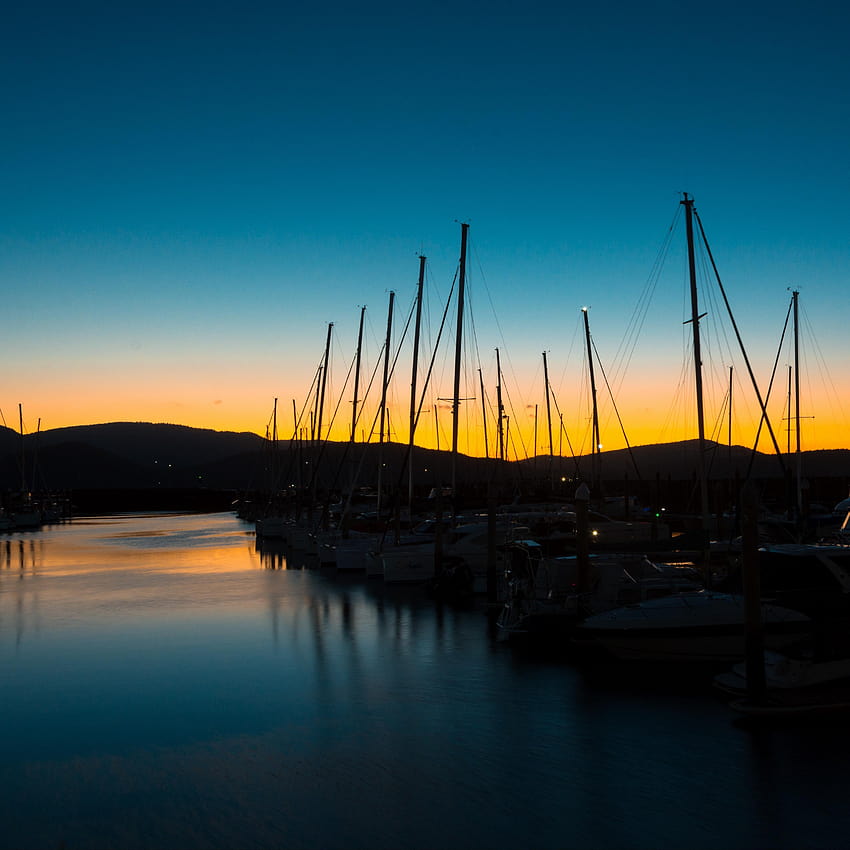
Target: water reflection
point(155, 666)
point(273, 554)
point(22, 554)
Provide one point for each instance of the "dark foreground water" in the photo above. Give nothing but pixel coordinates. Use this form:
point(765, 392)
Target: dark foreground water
point(164, 687)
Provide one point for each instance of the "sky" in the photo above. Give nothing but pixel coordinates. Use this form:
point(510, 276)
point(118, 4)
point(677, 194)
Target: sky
point(193, 192)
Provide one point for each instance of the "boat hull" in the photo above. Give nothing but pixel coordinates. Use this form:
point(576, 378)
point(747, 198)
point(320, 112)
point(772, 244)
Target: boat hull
point(690, 627)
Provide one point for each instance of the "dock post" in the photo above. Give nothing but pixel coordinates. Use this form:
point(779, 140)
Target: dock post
point(754, 633)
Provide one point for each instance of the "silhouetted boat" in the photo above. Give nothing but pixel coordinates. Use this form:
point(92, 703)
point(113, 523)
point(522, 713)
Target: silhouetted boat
point(542, 597)
point(792, 686)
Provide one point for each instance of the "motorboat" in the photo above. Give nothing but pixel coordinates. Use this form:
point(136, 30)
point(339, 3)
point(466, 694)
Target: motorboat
point(701, 626)
point(793, 686)
point(785, 674)
point(465, 548)
point(544, 597)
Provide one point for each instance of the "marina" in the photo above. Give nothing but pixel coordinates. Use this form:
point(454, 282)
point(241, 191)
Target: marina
point(171, 681)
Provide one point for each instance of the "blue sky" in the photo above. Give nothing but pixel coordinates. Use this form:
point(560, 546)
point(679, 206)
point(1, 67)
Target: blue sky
point(193, 191)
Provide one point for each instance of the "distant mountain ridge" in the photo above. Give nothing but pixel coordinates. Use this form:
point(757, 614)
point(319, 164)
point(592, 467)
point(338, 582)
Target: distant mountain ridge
point(148, 455)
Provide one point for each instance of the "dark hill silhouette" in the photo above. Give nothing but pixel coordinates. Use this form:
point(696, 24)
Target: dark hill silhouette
point(137, 455)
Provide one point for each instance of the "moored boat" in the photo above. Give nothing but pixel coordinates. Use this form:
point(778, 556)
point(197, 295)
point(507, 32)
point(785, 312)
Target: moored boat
point(703, 626)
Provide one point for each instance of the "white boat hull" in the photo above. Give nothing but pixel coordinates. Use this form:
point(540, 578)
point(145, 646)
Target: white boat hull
point(690, 627)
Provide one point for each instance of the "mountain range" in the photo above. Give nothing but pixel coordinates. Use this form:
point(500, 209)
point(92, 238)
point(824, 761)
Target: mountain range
point(146, 456)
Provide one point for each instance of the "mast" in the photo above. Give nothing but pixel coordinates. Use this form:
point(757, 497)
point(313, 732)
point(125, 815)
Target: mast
point(324, 382)
point(387, 345)
point(275, 463)
point(413, 417)
point(23, 452)
point(596, 447)
point(357, 376)
point(461, 286)
point(788, 396)
point(297, 435)
point(501, 409)
point(536, 412)
point(695, 317)
point(484, 414)
point(548, 415)
point(795, 298)
point(730, 419)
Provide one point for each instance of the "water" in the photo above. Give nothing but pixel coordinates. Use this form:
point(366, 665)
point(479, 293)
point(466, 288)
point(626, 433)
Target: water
point(163, 687)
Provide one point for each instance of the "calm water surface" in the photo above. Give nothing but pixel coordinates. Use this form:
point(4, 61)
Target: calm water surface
point(166, 685)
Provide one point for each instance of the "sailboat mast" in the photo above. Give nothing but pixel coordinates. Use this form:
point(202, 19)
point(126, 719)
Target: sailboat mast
point(548, 408)
point(795, 297)
point(23, 452)
point(730, 419)
point(500, 408)
point(484, 414)
point(695, 317)
point(275, 463)
point(413, 373)
point(461, 287)
point(788, 396)
point(357, 376)
point(595, 448)
point(324, 382)
point(387, 344)
point(297, 437)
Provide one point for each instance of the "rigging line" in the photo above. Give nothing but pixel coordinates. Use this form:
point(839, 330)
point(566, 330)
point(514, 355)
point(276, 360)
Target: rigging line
point(327, 440)
point(487, 290)
point(770, 388)
point(513, 411)
point(517, 384)
point(324, 443)
point(625, 351)
point(435, 351)
point(821, 362)
point(391, 371)
point(713, 449)
point(501, 333)
point(300, 418)
point(374, 421)
point(487, 404)
point(578, 333)
point(718, 334)
point(616, 411)
point(372, 377)
point(677, 402)
point(740, 343)
point(377, 413)
point(306, 405)
point(348, 444)
point(721, 418)
point(341, 394)
point(563, 430)
point(409, 447)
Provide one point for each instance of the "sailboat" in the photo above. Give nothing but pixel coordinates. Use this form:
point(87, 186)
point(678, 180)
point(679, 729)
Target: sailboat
point(707, 625)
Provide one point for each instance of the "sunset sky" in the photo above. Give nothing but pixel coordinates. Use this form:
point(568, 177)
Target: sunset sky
point(192, 192)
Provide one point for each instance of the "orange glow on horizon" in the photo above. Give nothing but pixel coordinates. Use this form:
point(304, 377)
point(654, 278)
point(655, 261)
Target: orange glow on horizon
point(645, 427)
